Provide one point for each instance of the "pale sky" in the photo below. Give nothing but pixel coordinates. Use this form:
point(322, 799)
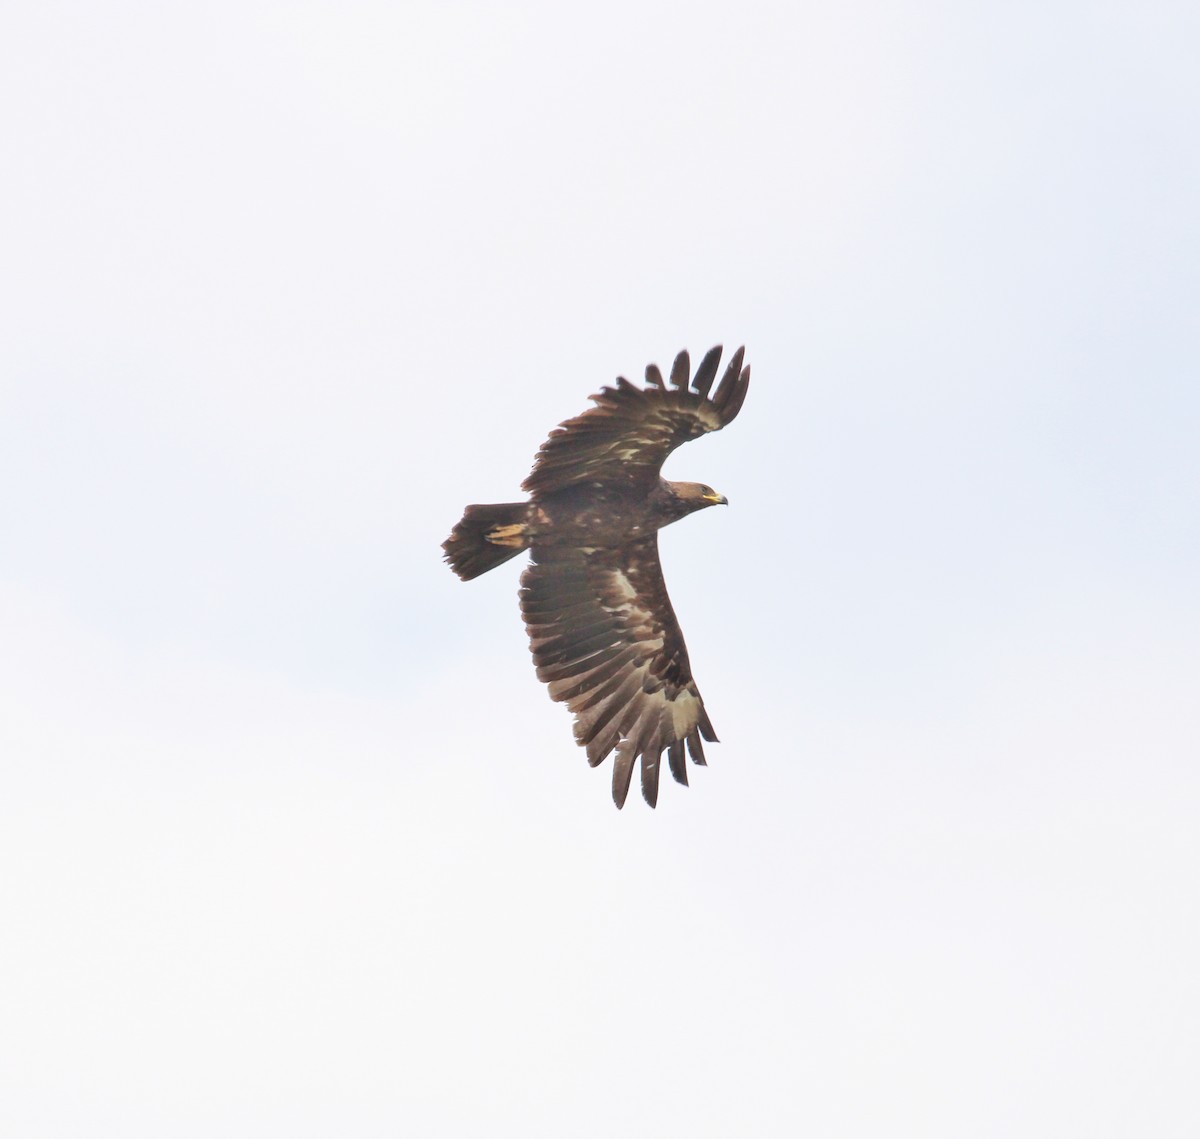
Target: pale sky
point(292, 842)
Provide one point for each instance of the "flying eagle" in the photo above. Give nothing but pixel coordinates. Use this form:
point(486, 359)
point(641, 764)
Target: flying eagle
point(601, 628)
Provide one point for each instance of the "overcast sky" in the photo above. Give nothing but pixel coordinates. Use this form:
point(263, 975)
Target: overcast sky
point(292, 842)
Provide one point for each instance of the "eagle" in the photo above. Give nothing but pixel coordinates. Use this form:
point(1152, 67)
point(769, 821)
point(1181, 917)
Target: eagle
point(602, 631)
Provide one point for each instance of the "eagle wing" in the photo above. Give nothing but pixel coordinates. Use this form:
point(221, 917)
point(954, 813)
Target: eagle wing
point(627, 436)
point(605, 639)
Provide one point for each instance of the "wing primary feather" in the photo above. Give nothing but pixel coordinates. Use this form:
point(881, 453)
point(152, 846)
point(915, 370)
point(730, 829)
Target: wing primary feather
point(650, 766)
point(696, 748)
point(654, 376)
point(732, 373)
point(680, 370)
point(707, 371)
point(678, 762)
point(730, 410)
point(622, 772)
point(623, 385)
point(598, 749)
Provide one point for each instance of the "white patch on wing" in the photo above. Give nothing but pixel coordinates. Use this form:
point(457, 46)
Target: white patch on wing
point(685, 713)
point(707, 413)
point(623, 601)
point(623, 589)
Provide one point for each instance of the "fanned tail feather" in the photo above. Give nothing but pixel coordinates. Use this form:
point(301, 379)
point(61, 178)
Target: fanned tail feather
point(487, 536)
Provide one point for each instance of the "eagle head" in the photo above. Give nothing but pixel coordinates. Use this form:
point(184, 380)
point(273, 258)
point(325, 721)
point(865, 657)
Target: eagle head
point(696, 496)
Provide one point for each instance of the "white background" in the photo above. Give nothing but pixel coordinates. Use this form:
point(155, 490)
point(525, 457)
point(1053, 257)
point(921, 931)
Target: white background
point(292, 842)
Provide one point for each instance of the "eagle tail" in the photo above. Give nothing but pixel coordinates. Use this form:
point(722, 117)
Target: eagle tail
point(486, 537)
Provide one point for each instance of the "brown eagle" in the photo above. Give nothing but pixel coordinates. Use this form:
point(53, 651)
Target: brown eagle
point(601, 628)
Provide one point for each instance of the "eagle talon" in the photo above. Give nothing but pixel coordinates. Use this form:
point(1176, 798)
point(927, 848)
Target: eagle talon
point(512, 535)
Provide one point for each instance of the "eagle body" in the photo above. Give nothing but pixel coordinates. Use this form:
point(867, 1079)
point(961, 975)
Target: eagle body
point(602, 631)
point(601, 515)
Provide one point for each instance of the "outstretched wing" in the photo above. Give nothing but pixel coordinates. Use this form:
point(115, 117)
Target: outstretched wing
point(626, 437)
point(605, 639)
